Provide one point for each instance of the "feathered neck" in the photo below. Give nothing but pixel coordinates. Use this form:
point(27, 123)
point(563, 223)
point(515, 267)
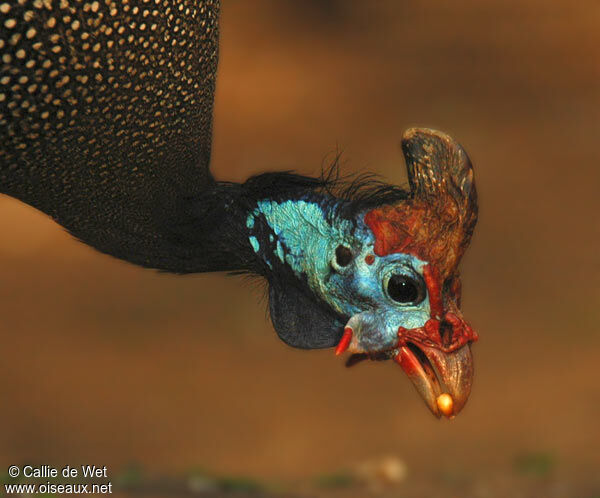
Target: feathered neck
point(234, 227)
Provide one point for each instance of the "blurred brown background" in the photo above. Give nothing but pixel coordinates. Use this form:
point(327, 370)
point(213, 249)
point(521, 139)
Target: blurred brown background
point(110, 364)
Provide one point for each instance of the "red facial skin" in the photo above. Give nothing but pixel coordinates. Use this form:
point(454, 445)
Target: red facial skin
point(432, 281)
point(432, 234)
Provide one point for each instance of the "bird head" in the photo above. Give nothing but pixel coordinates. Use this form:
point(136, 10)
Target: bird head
point(383, 283)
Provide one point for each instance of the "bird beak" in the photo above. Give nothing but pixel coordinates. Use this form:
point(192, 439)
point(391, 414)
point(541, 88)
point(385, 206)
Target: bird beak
point(442, 374)
point(440, 369)
point(442, 379)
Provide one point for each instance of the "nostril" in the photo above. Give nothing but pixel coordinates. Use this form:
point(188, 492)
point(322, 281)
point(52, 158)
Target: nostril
point(446, 333)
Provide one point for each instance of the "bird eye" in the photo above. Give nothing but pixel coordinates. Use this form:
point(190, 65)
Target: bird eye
point(343, 256)
point(404, 289)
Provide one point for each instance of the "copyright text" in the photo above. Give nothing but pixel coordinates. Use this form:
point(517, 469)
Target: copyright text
point(45, 479)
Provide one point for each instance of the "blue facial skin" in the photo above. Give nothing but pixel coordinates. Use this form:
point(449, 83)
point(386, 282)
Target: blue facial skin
point(304, 236)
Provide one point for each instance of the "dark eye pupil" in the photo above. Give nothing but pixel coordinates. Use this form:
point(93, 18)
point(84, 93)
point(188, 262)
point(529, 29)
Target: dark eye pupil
point(343, 255)
point(403, 289)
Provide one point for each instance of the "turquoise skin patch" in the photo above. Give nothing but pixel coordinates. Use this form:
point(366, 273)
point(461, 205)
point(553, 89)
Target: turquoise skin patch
point(254, 243)
point(307, 236)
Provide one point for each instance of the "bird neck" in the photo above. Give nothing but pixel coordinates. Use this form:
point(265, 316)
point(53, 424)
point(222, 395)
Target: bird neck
point(271, 222)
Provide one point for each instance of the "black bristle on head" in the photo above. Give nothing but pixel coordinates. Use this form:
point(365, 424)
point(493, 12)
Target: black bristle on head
point(356, 192)
point(362, 191)
point(211, 228)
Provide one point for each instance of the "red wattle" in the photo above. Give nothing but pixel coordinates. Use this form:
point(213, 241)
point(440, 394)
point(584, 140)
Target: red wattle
point(344, 341)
